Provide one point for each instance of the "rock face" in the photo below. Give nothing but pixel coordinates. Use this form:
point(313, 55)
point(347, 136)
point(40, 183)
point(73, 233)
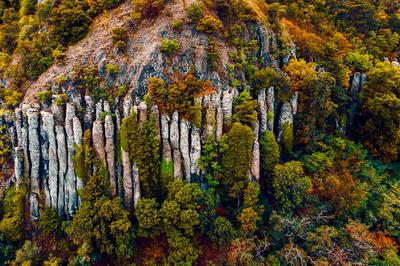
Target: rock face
point(47, 136)
point(288, 110)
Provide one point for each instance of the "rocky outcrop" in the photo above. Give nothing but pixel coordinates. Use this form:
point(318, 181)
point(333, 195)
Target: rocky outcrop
point(184, 148)
point(47, 136)
point(55, 132)
point(51, 180)
point(62, 167)
point(288, 110)
point(110, 151)
point(174, 140)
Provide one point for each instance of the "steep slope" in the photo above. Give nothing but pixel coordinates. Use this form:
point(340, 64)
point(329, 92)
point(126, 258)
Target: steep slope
point(47, 135)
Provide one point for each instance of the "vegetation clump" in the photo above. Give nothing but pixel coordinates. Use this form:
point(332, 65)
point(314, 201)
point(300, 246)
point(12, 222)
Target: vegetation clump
point(170, 47)
point(180, 96)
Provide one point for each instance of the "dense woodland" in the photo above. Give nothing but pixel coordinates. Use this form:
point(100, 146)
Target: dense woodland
point(329, 195)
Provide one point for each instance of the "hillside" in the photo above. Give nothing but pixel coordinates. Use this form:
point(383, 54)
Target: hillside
point(226, 132)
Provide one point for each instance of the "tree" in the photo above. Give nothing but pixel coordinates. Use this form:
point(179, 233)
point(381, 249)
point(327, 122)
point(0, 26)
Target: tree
point(389, 211)
point(181, 220)
point(265, 78)
point(314, 108)
point(84, 157)
point(101, 224)
point(298, 71)
point(12, 224)
point(148, 217)
point(252, 210)
point(346, 193)
point(222, 231)
point(245, 109)
point(290, 185)
point(358, 61)
point(179, 96)
point(70, 23)
point(209, 161)
point(29, 254)
point(49, 222)
point(270, 155)
point(380, 117)
point(236, 158)
point(269, 152)
point(7, 249)
point(143, 148)
point(27, 7)
point(383, 43)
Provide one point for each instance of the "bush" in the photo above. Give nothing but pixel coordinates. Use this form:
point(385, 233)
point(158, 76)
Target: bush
point(195, 12)
point(29, 254)
point(119, 37)
point(44, 97)
point(245, 109)
point(265, 78)
point(177, 24)
point(12, 224)
point(11, 97)
point(112, 69)
point(170, 47)
point(209, 24)
point(60, 99)
point(359, 62)
point(70, 23)
point(178, 96)
point(58, 54)
point(145, 8)
point(290, 185)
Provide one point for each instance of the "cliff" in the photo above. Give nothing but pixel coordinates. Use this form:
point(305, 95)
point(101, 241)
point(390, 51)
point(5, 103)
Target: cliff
point(46, 135)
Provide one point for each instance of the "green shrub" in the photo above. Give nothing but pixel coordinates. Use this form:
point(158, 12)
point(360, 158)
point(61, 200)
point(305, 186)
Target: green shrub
point(70, 23)
point(11, 97)
point(245, 109)
point(27, 7)
point(290, 185)
point(119, 37)
point(60, 99)
point(44, 97)
point(58, 54)
point(265, 78)
point(179, 96)
point(170, 47)
point(49, 222)
point(209, 24)
point(212, 57)
point(177, 24)
point(148, 218)
point(145, 8)
point(122, 90)
point(29, 254)
point(143, 148)
point(359, 62)
point(84, 157)
point(12, 224)
point(195, 12)
point(112, 69)
point(5, 146)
